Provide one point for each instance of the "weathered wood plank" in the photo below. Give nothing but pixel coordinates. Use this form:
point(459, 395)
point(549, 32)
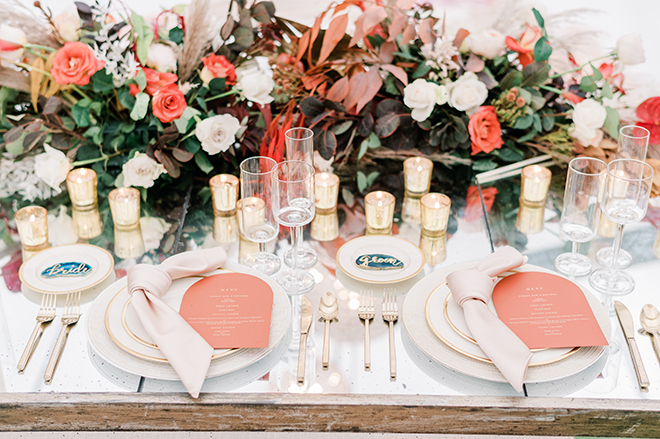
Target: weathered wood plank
point(332, 413)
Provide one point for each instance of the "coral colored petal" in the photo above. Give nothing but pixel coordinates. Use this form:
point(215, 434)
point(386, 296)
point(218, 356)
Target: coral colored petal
point(7, 46)
point(572, 97)
point(514, 45)
point(649, 111)
point(654, 129)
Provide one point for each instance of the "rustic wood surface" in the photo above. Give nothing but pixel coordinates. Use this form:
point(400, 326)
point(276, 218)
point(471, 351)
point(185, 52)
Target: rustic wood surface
point(330, 413)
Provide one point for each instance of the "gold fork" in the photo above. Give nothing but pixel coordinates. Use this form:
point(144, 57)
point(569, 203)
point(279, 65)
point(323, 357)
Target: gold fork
point(70, 317)
point(391, 315)
point(367, 312)
point(46, 314)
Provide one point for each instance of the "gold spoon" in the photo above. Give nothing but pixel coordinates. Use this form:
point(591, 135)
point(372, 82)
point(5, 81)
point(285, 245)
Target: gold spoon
point(650, 319)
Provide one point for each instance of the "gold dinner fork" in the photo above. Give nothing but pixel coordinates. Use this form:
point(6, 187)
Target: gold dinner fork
point(390, 315)
point(46, 314)
point(367, 312)
point(70, 317)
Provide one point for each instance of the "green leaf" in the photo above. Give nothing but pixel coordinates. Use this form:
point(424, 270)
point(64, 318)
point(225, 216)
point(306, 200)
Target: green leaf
point(548, 122)
point(244, 37)
point(372, 177)
point(606, 91)
point(192, 144)
point(537, 123)
point(141, 79)
point(587, 84)
point(361, 181)
point(526, 95)
point(535, 74)
point(512, 79)
point(529, 136)
point(203, 162)
point(483, 165)
point(202, 104)
point(422, 69)
point(217, 86)
point(524, 122)
point(542, 50)
point(347, 195)
point(597, 75)
point(263, 12)
point(176, 35)
point(611, 124)
point(80, 113)
point(125, 98)
point(539, 18)
point(341, 128)
point(102, 81)
point(390, 86)
point(141, 106)
point(144, 37)
point(119, 181)
point(511, 154)
point(369, 142)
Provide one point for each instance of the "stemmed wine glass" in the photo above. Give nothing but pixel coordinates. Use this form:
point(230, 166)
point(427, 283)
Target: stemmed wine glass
point(581, 212)
point(625, 199)
point(633, 144)
point(293, 206)
point(300, 147)
point(259, 224)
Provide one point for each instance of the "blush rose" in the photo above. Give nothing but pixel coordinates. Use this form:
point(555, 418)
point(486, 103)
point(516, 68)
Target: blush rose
point(75, 64)
point(485, 130)
point(217, 66)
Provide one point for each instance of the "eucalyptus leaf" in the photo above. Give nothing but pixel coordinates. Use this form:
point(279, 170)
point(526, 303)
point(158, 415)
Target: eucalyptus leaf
point(348, 197)
point(141, 106)
point(611, 124)
point(483, 165)
point(203, 162)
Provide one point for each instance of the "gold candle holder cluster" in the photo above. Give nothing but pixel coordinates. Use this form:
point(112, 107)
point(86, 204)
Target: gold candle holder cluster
point(326, 187)
point(379, 212)
point(224, 192)
point(32, 225)
point(535, 182)
point(435, 214)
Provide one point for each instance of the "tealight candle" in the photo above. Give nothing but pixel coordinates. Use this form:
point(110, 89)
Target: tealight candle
point(81, 184)
point(379, 210)
point(32, 225)
point(327, 191)
point(125, 207)
point(435, 214)
point(252, 213)
point(535, 181)
point(434, 248)
point(417, 174)
point(225, 229)
point(530, 219)
point(87, 223)
point(129, 243)
point(224, 191)
point(325, 227)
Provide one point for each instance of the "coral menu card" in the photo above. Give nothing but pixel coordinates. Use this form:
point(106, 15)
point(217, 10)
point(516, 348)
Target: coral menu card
point(546, 311)
point(230, 310)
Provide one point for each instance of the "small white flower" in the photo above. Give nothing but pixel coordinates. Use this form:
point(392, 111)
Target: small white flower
point(141, 171)
point(68, 23)
point(321, 164)
point(52, 167)
point(421, 96)
point(467, 93)
point(217, 133)
point(630, 50)
point(488, 43)
point(60, 228)
point(255, 80)
point(12, 35)
point(588, 117)
point(162, 58)
point(440, 55)
point(19, 178)
point(153, 230)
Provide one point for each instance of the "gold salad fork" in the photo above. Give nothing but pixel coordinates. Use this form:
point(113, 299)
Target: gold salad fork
point(70, 317)
point(391, 315)
point(367, 312)
point(46, 314)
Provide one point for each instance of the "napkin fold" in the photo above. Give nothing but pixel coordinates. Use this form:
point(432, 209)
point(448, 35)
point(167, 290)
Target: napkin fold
point(472, 289)
point(186, 350)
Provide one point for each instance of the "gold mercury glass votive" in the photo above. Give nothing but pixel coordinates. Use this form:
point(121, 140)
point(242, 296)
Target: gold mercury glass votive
point(125, 207)
point(327, 191)
point(417, 176)
point(129, 243)
point(87, 223)
point(81, 184)
point(252, 213)
point(246, 248)
point(435, 214)
point(434, 248)
point(379, 210)
point(225, 229)
point(411, 210)
point(325, 227)
point(32, 225)
point(224, 191)
point(535, 182)
point(530, 219)
point(606, 227)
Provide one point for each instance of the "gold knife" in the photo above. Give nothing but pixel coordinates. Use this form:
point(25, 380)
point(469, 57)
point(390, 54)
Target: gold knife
point(628, 327)
point(306, 317)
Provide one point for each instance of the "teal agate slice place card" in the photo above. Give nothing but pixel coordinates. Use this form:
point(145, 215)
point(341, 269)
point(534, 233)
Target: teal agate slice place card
point(378, 262)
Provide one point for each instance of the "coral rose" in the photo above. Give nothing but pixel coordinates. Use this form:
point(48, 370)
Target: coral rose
point(217, 66)
point(648, 114)
point(169, 103)
point(157, 80)
point(75, 64)
point(485, 131)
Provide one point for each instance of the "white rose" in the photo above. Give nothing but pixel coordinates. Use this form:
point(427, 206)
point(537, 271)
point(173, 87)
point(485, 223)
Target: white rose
point(10, 36)
point(488, 43)
point(60, 229)
point(67, 24)
point(255, 80)
point(630, 50)
point(217, 133)
point(588, 116)
point(153, 230)
point(421, 96)
point(52, 167)
point(467, 93)
point(142, 171)
point(161, 57)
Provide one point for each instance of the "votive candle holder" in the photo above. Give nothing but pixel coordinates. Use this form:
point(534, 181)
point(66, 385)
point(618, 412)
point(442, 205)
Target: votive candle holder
point(434, 248)
point(81, 185)
point(225, 229)
point(125, 207)
point(129, 243)
point(251, 213)
point(325, 227)
point(411, 210)
point(224, 192)
point(326, 187)
point(417, 174)
point(535, 182)
point(87, 223)
point(530, 219)
point(435, 214)
point(32, 225)
point(379, 212)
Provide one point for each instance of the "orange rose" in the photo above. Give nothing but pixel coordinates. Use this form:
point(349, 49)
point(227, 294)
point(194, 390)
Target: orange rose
point(169, 103)
point(217, 66)
point(485, 131)
point(157, 80)
point(75, 64)
point(525, 45)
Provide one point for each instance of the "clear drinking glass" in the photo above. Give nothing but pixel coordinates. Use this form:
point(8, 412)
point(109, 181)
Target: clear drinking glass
point(625, 199)
point(300, 147)
point(258, 221)
point(581, 212)
point(293, 206)
point(633, 144)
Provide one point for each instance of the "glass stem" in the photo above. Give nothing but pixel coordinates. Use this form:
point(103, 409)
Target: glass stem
point(576, 248)
point(298, 230)
point(616, 247)
point(295, 242)
point(262, 247)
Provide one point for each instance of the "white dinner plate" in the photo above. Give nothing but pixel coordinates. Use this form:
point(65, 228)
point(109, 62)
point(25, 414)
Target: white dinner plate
point(391, 247)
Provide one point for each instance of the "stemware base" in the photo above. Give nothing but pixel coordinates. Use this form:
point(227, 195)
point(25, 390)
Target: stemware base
point(266, 263)
point(573, 264)
point(305, 259)
point(296, 282)
point(604, 258)
point(611, 282)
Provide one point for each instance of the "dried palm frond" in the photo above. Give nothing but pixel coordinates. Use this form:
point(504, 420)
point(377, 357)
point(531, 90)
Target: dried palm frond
point(14, 79)
point(36, 28)
point(201, 27)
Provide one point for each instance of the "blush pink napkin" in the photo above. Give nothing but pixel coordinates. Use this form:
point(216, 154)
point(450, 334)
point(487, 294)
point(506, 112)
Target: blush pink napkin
point(186, 350)
point(472, 289)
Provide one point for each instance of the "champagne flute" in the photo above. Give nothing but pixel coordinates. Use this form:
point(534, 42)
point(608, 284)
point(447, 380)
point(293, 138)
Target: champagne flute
point(581, 212)
point(625, 200)
point(633, 144)
point(293, 206)
point(300, 147)
point(259, 225)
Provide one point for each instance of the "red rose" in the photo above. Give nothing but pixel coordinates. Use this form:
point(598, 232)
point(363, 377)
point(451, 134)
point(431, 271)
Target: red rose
point(485, 131)
point(169, 103)
point(217, 66)
point(157, 80)
point(75, 64)
point(648, 114)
